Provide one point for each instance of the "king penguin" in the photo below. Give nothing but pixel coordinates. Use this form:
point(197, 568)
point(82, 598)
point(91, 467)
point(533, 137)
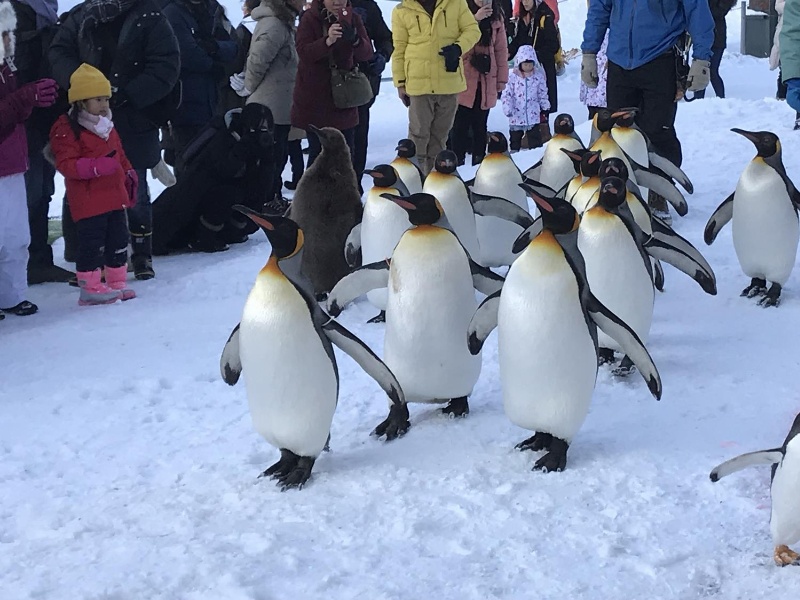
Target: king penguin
point(580, 193)
point(406, 166)
point(450, 190)
point(431, 284)
point(763, 208)
point(499, 177)
point(293, 385)
point(785, 491)
point(555, 168)
point(547, 320)
point(381, 227)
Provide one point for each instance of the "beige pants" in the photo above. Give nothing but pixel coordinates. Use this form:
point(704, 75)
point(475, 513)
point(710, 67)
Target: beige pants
point(430, 118)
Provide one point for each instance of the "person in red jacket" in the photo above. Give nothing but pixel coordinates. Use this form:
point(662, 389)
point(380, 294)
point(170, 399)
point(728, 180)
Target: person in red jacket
point(16, 105)
point(101, 184)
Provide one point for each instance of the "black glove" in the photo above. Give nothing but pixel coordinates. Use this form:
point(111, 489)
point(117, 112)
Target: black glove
point(209, 46)
point(349, 34)
point(452, 54)
point(377, 64)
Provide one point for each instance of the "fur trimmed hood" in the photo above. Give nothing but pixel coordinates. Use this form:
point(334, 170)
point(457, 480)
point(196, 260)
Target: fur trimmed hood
point(8, 23)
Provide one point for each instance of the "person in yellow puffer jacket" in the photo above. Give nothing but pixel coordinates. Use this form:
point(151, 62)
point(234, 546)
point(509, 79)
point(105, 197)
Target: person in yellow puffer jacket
point(429, 38)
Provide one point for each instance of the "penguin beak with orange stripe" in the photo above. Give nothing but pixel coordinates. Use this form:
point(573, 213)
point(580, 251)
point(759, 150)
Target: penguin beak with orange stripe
point(283, 234)
point(767, 143)
point(422, 209)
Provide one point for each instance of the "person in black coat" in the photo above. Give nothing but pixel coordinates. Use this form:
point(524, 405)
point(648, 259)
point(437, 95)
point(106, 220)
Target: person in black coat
point(133, 45)
point(228, 163)
point(36, 25)
point(381, 37)
point(536, 26)
point(719, 10)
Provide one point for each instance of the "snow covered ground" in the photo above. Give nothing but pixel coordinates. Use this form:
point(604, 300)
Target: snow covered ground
point(128, 468)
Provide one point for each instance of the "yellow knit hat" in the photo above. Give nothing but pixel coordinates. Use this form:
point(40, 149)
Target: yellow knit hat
point(87, 82)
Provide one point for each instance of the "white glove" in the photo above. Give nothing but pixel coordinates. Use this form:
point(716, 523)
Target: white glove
point(162, 173)
point(237, 82)
point(589, 74)
point(699, 75)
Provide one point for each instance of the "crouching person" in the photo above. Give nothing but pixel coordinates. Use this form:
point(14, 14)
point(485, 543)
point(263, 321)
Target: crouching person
point(229, 162)
point(101, 184)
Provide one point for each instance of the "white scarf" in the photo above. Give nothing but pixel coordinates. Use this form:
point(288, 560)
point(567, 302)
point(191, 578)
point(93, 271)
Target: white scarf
point(97, 124)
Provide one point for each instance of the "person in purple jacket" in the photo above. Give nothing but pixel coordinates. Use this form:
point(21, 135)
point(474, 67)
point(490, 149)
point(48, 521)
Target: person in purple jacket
point(643, 60)
point(16, 105)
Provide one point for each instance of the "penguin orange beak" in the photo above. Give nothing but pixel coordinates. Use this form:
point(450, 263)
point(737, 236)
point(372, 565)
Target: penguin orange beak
point(625, 112)
point(255, 217)
point(400, 201)
point(540, 200)
point(748, 134)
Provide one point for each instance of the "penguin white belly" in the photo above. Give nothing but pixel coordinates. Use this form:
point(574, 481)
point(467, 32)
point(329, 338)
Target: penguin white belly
point(557, 168)
point(498, 176)
point(430, 305)
point(632, 143)
point(616, 273)
point(765, 226)
point(639, 213)
point(587, 195)
point(409, 174)
point(609, 148)
point(382, 226)
point(785, 520)
point(451, 193)
point(290, 380)
point(548, 362)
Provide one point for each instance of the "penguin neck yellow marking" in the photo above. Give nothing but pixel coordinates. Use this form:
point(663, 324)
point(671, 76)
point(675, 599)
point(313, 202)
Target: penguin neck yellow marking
point(298, 243)
point(546, 240)
point(424, 230)
point(598, 212)
point(271, 269)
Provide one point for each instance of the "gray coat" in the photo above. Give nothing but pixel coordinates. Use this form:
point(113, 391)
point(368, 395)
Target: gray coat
point(272, 61)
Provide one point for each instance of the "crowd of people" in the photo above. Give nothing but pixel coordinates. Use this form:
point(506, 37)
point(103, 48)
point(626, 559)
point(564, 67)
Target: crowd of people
point(113, 89)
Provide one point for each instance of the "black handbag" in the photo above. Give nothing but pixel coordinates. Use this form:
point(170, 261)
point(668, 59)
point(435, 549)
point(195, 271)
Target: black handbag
point(482, 63)
point(350, 87)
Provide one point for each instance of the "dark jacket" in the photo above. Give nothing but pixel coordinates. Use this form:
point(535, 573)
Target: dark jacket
point(139, 54)
point(541, 33)
point(719, 10)
point(381, 37)
point(206, 47)
point(15, 108)
point(312, 101)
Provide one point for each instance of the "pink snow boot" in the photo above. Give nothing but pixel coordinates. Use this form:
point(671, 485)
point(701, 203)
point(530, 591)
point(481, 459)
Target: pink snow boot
point(94, 291)
point(116, 279)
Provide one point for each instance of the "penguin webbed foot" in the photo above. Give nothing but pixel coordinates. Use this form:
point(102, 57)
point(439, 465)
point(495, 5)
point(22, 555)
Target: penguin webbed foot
point(555, 460)
point(379, 318)
point(757, 287)
point(457, 407)
point(625, 367)
point(772, 297)
point(287, 462)
point(538, 441)
point(395, 425)
point(298, 476)
point(604, 356)
point(785, 556)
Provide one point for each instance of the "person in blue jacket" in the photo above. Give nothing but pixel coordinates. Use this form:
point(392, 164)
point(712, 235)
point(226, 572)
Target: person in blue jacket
point(643, 62)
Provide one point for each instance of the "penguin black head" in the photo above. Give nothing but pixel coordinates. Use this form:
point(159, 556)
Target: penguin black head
point(612, 193)
point(406, 149)
point(767, 143)
point(613, 167)
point(604, 120)
point(564, 124)
point(498, 144)
point(383, 176)
point(283, 234)
point(558, 216)
point(590, 163)
point(422, 209)
point(446, 162)
point(575, 156)
point(624, 117)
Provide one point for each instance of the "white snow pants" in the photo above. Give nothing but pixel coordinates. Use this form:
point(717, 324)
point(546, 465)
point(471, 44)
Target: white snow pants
point(15, 236)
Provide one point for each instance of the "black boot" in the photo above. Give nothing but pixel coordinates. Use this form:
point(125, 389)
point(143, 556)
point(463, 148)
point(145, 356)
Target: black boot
point(207, 238)
point(142, 257)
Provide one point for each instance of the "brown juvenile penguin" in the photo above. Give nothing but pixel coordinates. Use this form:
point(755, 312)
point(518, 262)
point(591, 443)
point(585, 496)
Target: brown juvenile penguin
point(326, 206)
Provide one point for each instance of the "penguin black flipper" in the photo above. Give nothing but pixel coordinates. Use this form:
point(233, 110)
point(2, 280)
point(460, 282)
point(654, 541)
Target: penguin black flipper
point(483, 322)
point(540, 188)
point(662, 187)
point(352, 247)
point(671, 169)
point(718, 220)
point(684, 257)
point(794, 195)
point(630, 343)
point(373, 366)
point(658, 275)
point(230, 364)
point(494, 206)
point(533, 171)
point(485, 280)
point(364, 279)
point(525, 238)
point(743, 461)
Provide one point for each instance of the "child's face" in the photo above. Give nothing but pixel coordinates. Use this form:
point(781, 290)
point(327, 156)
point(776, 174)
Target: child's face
point(526, 67)
point(97, 106)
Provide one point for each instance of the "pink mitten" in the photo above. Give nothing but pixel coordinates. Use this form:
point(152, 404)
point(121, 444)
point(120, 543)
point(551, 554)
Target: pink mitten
point(46, 92)
point(132, 186)
point(89, 168)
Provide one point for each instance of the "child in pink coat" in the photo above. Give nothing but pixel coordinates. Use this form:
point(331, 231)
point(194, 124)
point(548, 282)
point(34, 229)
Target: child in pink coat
point(525, 99)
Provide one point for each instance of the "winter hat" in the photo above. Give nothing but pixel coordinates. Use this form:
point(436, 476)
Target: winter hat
point(8, 23)
point(254, 115)
point(88, 82)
